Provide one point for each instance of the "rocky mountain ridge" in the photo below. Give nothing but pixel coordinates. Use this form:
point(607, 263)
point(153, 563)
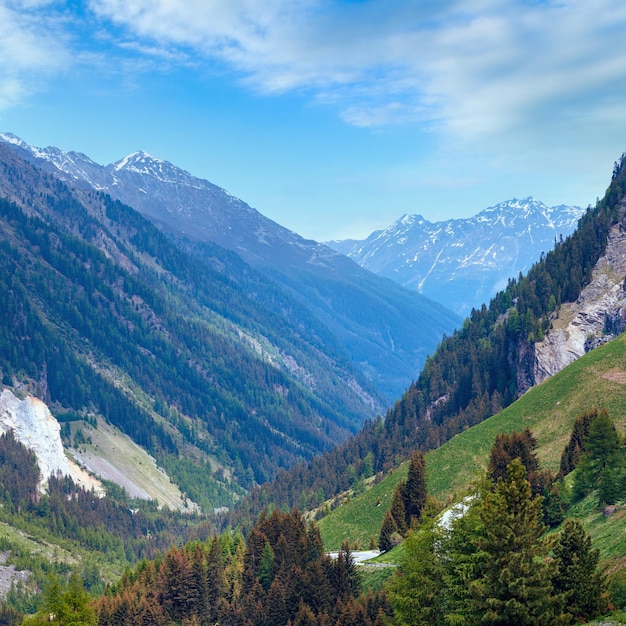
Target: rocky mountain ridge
point(386, 330)
point(597, 316)
point(462, 263)
point(180, 201)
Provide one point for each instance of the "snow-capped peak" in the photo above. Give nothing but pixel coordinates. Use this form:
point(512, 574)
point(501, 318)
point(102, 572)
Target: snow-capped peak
point(11, 138)
point(134, 159)
point(477, 254)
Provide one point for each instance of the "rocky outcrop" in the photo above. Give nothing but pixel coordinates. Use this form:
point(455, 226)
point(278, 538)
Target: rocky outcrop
point(36, 428)
point(597, 316)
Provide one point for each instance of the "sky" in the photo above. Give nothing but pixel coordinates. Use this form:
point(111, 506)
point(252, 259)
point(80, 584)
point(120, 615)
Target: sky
point(331, 117)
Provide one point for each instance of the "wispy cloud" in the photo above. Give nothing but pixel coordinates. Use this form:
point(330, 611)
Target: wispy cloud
point(468, 67)
point(30, 49)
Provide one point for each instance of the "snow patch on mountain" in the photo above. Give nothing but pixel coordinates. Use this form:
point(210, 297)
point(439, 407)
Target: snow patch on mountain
point(462, 263)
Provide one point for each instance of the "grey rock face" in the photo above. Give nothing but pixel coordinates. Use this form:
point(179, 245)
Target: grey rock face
point(597, 316)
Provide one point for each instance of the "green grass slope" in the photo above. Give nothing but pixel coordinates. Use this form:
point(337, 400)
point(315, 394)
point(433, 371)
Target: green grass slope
point(549, 410)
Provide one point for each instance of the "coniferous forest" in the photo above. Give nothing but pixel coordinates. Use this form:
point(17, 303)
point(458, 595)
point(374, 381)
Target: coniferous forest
point(181, 354)
point(477, 371)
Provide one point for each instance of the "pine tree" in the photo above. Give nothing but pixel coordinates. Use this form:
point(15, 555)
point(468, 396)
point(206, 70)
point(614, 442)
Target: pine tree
point(416, 593)
point(389, 527)
point(415, 489)
point(577, 574)
point(515, 586)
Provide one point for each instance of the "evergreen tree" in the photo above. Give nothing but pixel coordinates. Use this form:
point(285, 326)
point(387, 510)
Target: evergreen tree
point(415, 489)
point(215, 578)
point(515, 585)
point(387, 531)
point(69, 607)
point(266, 566)
point(398, 510)
point(577, 442)
point(345, 575)
point(553, 507)
point(416, 593)
point(577, 576)
point(514, 446)
point(602, 466)
point(464, 561)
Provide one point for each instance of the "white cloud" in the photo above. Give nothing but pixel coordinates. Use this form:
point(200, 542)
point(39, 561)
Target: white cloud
point(472, 68)
point(30, 50)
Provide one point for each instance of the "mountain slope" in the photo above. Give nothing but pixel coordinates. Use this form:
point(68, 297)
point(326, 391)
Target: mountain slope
point(387, 331)
point(464, 262)
point(480, 369)
point(183, 353)
point(598, 379)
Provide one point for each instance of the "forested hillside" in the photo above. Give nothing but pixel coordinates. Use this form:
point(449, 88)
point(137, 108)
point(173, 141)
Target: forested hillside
point(474, 373)
point(385, 331)
point(103, 315)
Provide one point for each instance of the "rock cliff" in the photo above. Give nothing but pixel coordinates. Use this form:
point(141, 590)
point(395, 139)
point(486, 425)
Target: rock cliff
point(598, 315)
point(34, 426)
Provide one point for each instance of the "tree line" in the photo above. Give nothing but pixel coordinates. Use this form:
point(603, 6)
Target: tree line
point(491, 561)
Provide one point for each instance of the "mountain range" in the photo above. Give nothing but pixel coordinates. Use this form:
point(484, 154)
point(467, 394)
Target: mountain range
point(386, 331)
point(572, 300)
point(223, 372)
point(463, 263)
point(239, 390)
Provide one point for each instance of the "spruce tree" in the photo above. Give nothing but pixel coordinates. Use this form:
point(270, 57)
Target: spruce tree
point(387, 531)
point(266, 567)
point(515, 585)
point(415, 489)
point(577, 574)
point(416, 593)
point(464, 562)
point(398, 510)
point(602, 465)
point(577, 442)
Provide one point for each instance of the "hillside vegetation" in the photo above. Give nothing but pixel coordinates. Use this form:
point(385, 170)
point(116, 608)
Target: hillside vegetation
point(479, 370)
point(183, 353)
point(598, 379)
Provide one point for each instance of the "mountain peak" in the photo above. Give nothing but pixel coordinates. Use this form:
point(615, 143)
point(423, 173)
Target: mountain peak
point(11, 138)
point(464, 262)
point(137, 161)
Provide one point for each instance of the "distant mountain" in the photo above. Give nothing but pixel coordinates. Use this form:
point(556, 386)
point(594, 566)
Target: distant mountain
point(103, 316)
point(569, 302)
point(386, 330)
point(463, 263)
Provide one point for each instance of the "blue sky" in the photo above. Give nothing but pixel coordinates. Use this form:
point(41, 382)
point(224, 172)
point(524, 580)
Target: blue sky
point(331, 117)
